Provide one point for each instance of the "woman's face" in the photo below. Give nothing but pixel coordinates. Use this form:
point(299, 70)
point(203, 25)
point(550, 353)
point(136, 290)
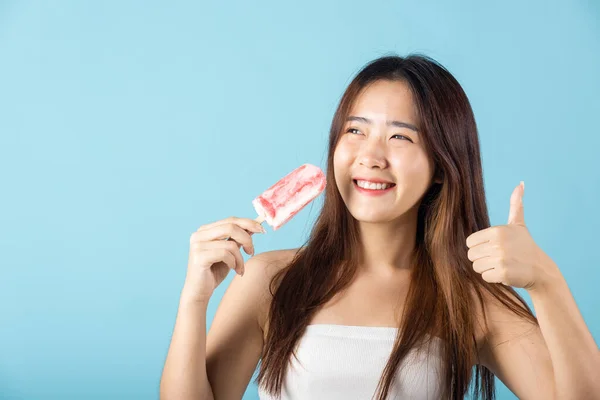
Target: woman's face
point(379, 143)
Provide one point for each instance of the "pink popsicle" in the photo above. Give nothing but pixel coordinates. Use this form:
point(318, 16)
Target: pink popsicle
point(279, 203)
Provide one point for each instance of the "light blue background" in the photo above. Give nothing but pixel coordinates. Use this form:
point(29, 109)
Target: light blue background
point(124, 126)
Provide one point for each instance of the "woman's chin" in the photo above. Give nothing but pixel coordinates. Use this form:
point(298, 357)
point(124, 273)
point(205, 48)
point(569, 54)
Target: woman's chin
point(372, 217)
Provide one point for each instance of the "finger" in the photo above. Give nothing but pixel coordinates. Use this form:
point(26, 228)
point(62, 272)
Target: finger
point(229, 245)
point(484, 264)
point(495, 275)
point(244, 223)
point(229, 231)
point(482, 236)
point(221, 255)
point(516, 213)
point(486, 249)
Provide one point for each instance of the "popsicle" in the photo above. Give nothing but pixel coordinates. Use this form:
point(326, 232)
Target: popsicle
point(279, 203)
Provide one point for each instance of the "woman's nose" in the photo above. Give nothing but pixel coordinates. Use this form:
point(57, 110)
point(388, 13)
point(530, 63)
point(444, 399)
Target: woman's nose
point(373, 155)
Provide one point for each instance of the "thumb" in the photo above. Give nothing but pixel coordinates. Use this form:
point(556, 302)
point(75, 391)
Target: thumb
point(516, 215)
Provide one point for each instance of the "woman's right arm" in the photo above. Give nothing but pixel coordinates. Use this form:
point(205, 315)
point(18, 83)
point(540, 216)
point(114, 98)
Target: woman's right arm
point(221, 366)
point(184, 375)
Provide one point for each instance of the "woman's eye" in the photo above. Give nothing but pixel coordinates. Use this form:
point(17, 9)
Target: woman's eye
point(402, 136)
point(353, 131)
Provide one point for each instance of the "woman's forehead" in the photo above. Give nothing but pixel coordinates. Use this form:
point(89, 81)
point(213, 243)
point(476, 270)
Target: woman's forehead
point(384, 101)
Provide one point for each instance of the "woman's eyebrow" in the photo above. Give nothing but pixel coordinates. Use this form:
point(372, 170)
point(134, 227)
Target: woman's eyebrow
point(398, 124)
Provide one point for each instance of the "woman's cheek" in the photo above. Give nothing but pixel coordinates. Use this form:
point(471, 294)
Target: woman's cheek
point(420, 171)
point(342, 155)
point(412, 169)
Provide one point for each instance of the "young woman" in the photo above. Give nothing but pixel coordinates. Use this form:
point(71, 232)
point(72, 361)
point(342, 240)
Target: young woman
point(403, 289)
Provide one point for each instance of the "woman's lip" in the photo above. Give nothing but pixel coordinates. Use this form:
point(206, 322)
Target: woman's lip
point(370, 192)
point(372, 180)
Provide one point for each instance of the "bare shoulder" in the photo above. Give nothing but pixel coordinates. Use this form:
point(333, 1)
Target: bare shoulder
point(273, 261)
point(235, 339)
point(513, 348)
point(261, 268)
point(260, 271)
point(498, 323)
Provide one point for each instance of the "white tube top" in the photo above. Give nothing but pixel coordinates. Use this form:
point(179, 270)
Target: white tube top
point(346, 362)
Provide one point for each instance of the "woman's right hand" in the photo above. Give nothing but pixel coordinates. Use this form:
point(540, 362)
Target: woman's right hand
point(212, 255)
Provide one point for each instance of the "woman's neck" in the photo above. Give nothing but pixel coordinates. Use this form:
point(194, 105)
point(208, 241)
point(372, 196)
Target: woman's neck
point(387, 248)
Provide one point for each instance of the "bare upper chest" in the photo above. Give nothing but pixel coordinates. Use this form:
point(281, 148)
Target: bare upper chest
point(368, 301)
point(371, 301)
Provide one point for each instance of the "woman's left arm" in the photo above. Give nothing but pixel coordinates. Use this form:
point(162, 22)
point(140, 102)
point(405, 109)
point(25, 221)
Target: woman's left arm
point(560, 357)
point(574, 353)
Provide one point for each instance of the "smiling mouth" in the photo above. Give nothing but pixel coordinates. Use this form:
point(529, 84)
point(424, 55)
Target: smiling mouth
point(373, 186)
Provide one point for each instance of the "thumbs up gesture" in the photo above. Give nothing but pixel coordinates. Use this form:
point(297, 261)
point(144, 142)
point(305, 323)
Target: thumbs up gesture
point(507, 254)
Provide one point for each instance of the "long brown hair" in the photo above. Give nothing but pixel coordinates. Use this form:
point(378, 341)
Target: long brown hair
point(440, 296)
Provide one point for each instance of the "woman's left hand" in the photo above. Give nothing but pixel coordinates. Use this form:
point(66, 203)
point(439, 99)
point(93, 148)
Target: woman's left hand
point(508, 254)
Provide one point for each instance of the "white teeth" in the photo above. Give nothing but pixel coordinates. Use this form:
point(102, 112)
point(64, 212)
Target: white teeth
point(373, 186)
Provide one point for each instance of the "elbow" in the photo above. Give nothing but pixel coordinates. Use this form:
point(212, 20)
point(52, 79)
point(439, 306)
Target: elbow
point(165, 390)
point(183, 395)
point(173, 391)
point(186, 385)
